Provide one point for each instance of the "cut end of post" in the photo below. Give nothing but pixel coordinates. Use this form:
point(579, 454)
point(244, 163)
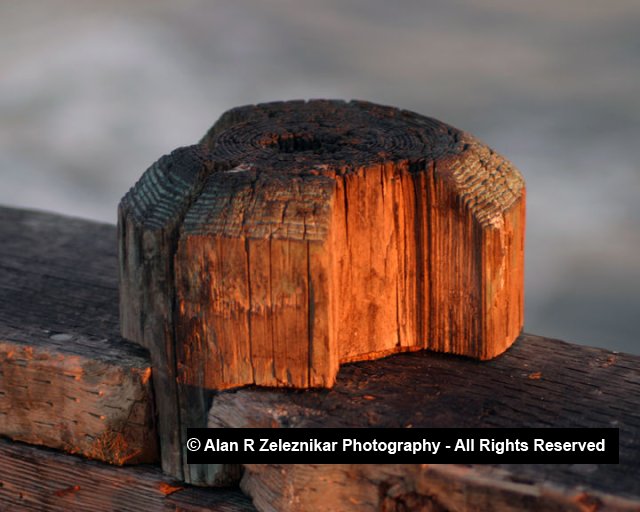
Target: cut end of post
point(299, 235)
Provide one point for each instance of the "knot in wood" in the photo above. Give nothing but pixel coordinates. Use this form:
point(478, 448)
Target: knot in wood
point(300, 235)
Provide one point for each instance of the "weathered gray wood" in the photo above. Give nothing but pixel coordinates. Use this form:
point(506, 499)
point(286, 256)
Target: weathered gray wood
point(415, 487)
point(539, 382)
point(149, 218)
point(67, 379)
point(40, 480)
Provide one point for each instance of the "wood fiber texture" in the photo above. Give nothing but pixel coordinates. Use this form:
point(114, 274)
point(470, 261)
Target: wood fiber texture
point(40, 480)
point(415, 487)
point(67, 378)
point(297, 236)
point(538, 382)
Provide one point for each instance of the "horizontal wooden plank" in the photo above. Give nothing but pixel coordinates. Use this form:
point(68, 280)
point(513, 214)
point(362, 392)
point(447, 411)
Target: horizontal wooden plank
point(58, 297)
point(539, 382)
point(409, 487)
point(42, 480)
point(67, 379)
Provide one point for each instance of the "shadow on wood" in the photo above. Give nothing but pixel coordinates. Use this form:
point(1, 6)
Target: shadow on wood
point(301, 235)
point(538, 382)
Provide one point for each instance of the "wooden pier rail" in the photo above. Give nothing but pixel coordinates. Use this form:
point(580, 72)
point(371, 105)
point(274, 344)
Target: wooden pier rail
point(298, 236)
point(59, 277)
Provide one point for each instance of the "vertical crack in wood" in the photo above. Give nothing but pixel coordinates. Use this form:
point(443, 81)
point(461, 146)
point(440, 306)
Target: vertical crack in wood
point(310, 316)
point(321, 232)
point(248, 263)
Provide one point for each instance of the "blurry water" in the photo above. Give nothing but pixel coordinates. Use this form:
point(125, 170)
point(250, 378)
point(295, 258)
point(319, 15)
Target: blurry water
point(92, 92)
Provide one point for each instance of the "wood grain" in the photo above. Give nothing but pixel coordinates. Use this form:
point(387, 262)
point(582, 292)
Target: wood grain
point(59, 273)
point(39, 480)
point(297, 236)
point(416, 228)
point(415, 487)
point(538, 382)
point(67, 379)
point(148, 222)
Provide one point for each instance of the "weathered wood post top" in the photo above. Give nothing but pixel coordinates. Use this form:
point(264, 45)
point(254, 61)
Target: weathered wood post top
point(300, 235)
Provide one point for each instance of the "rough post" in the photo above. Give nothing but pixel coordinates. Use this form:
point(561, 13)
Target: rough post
point(300, 235)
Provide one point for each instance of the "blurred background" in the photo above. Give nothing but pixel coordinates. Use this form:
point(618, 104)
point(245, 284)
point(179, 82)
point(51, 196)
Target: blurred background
point(92, 92)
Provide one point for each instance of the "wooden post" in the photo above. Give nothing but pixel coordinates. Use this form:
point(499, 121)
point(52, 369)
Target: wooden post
point(300, 235)
point(69, 381)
